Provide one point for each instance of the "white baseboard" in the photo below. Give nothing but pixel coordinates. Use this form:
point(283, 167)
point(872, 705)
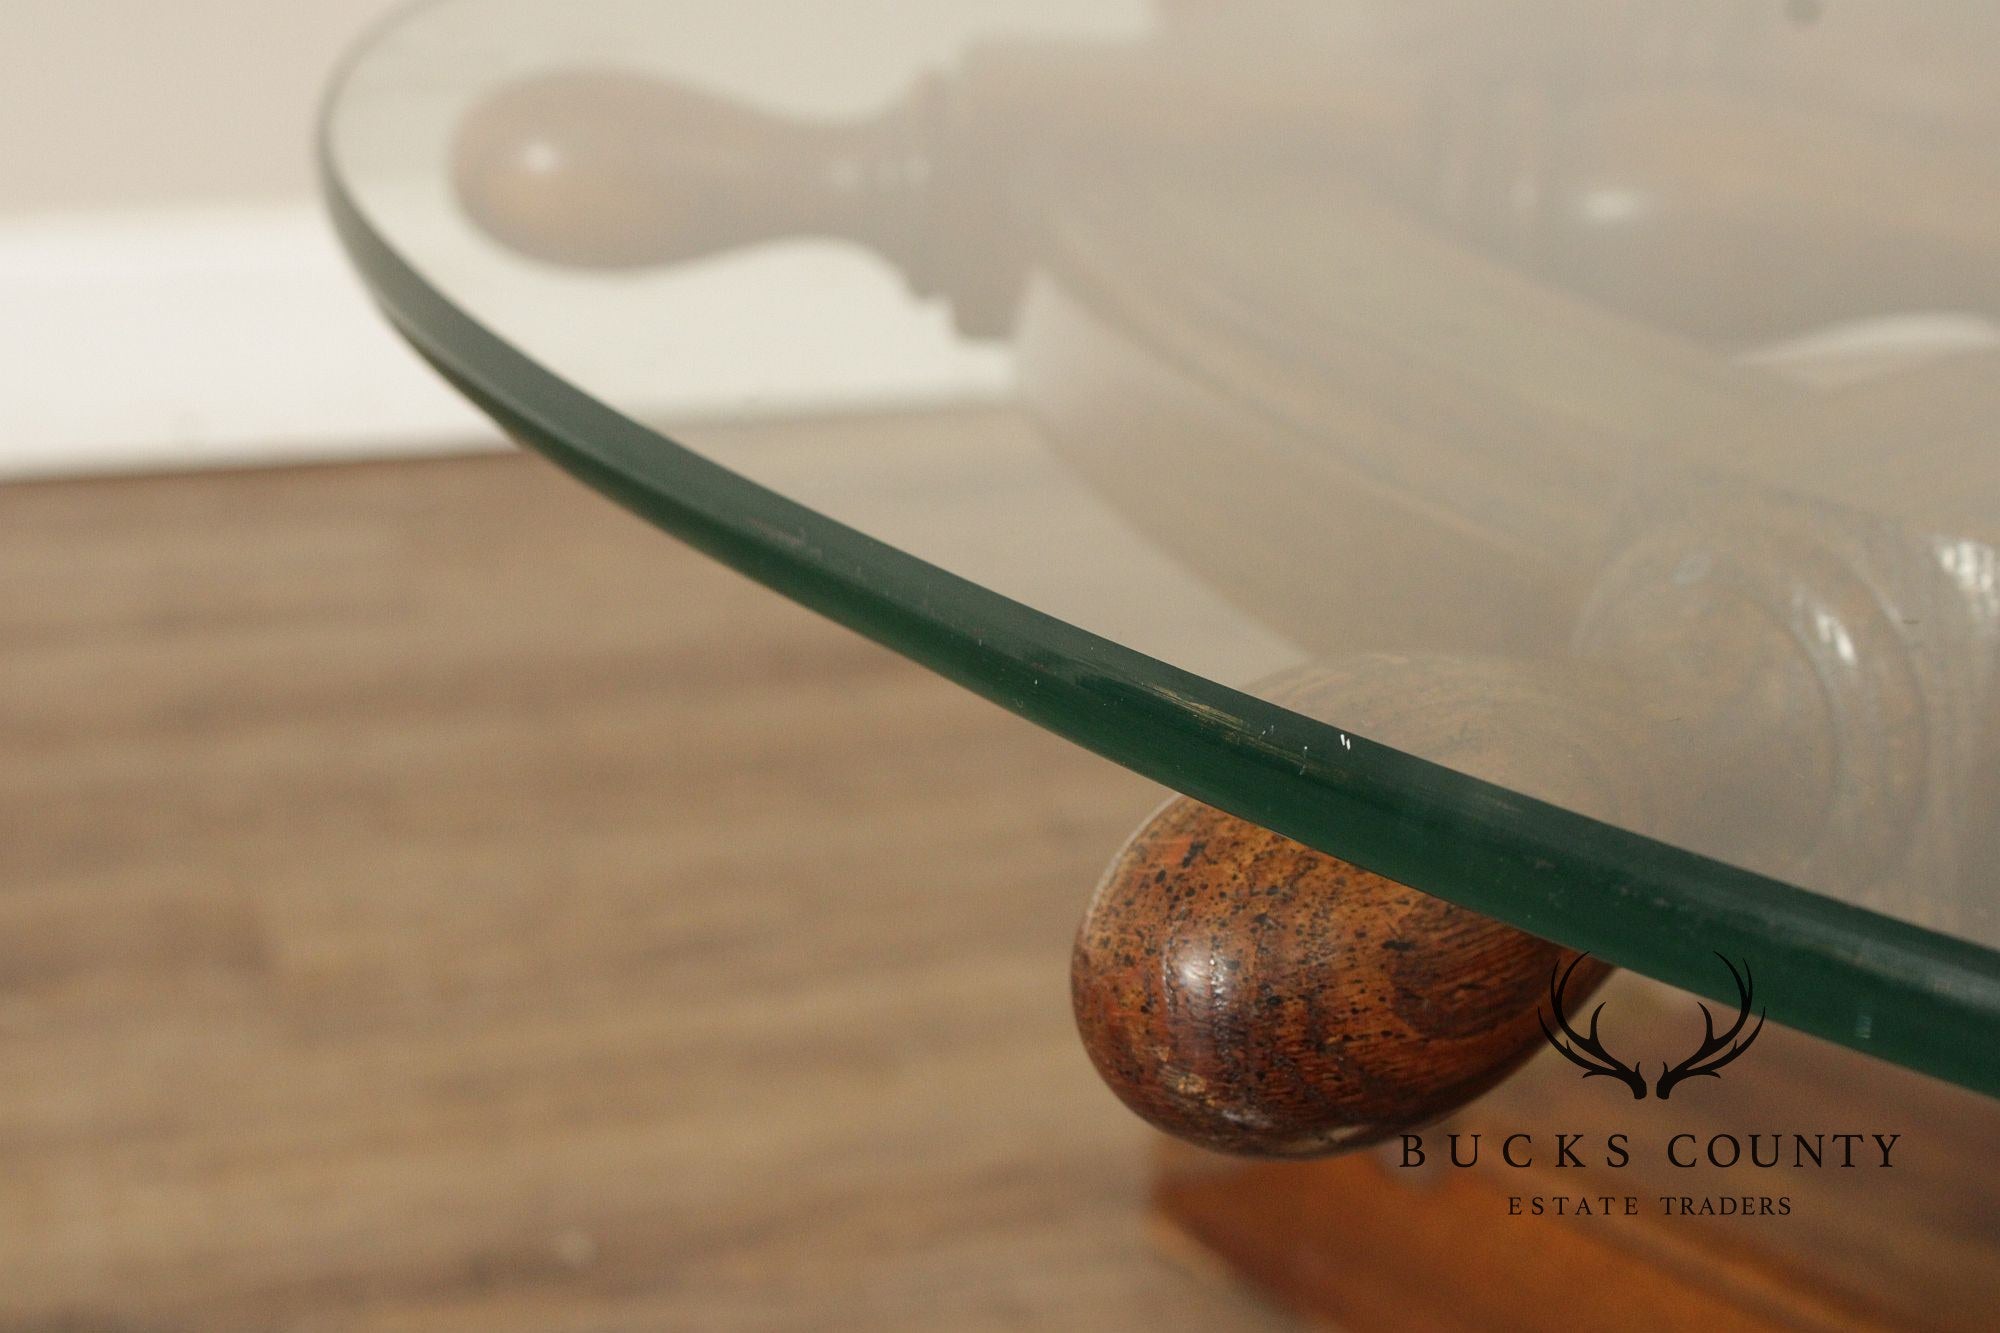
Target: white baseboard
point(145, 341)
point(164, 340)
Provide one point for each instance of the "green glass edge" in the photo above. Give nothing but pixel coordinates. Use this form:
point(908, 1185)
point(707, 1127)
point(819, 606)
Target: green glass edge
point(1898, 991)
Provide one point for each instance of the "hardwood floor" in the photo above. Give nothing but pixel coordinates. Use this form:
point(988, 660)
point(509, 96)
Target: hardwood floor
point(431, 899)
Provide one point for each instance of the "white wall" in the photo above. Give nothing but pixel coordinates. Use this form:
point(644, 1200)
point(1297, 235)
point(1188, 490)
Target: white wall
point(131, 104)
point(168, 292)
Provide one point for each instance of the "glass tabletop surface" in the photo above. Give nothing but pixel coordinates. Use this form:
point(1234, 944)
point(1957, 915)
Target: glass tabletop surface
point(1542, 452)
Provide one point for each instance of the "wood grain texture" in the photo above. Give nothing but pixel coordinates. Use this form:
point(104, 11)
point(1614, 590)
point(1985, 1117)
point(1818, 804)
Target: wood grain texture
point(431, 899)
point(1370, 1244)
point(1251, 995)
point(1346, 1241)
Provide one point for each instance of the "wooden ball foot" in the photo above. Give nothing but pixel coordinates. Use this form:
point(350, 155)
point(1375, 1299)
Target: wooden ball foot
point(1251, 995)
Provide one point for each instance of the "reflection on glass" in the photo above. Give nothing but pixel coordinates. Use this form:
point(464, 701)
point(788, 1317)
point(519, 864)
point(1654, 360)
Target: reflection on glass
point(1597, 398)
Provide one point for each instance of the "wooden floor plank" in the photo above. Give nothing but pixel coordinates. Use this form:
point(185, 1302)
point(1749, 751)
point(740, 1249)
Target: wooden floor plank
point(431, 899)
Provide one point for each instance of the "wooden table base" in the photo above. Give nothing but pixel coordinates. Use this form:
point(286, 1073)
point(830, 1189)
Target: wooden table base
point(1364, 1242)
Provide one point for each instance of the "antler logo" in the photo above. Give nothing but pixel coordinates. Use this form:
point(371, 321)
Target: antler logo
point(1587, 1052)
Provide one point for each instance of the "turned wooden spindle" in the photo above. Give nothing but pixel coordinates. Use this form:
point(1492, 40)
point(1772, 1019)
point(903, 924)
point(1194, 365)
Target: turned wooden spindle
point(1254, 996)
point(1745, 681)
point(603, 169)
point(1657, 177)
point(1498, 457)
point(1251, 995)
point(600, 168)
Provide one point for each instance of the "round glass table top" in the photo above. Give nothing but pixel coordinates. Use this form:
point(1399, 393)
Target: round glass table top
point(1541, 452)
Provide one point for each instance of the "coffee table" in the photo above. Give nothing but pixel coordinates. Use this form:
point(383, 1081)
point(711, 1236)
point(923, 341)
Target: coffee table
point(1538, 457)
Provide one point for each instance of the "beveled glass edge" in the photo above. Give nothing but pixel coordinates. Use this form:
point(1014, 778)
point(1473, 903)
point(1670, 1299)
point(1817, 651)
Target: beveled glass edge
point(1902, 992)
